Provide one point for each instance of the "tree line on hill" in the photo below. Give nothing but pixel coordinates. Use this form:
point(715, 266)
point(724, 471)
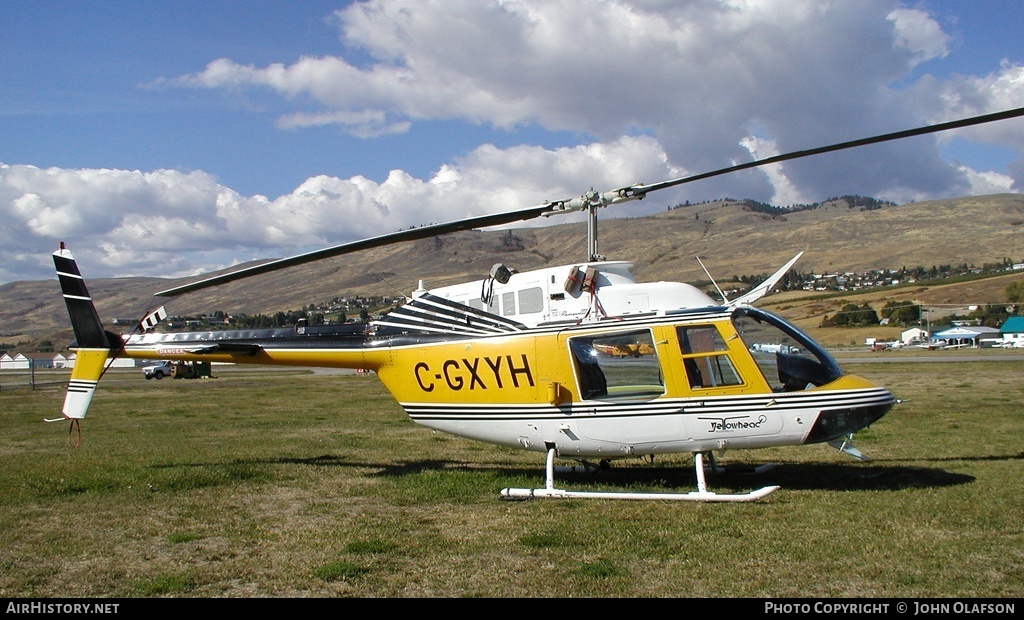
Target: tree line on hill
point(907, 313)
point(864, 203)
point(795, 280)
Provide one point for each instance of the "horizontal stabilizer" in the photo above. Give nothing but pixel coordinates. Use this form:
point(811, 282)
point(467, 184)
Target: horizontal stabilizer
point(150, 320)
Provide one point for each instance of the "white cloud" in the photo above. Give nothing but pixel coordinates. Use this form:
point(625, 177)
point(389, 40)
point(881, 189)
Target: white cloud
point(364, 124)
point(917, 32)
point(169, 223)
point(656, 89)
point(988, 182)
point(694, 75)
point(963, 96)
point(785, 193)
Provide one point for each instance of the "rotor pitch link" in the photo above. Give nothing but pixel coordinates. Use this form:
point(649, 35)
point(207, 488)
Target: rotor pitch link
point(700, 495)
point(594, 199)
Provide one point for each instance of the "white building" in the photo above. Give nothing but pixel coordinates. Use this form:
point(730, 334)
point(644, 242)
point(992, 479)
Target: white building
point(914, 334)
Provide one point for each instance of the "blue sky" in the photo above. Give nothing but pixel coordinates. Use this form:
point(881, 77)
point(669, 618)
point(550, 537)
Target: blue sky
point(169, 139)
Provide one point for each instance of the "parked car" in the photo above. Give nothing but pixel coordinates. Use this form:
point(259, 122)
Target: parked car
point(178, 370)
point(158, 371)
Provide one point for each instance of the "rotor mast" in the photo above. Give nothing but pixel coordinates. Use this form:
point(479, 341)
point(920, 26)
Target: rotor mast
point(591, 202)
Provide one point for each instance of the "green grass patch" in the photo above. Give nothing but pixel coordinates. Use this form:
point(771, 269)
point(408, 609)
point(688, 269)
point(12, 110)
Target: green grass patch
point(601, 569)
point(176, 538)
point(311, 486)
point(546, 540)
point(166, 585)
point(371, 547)
point(340, 571)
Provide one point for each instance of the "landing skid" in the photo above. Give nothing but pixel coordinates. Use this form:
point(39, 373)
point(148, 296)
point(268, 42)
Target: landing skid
point(700, 495)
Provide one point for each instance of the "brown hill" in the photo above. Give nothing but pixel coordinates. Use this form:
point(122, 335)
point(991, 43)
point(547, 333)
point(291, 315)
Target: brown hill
point(729, 236)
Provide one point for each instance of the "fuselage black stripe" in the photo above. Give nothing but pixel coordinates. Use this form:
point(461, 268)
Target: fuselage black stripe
point(617, 410)
point(456, 331)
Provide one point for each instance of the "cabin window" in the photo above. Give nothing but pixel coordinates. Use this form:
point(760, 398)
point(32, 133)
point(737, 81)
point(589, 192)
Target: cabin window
point(623, 364)
point(789, 359)
point(531, 300)
point(508, 304)
point(705, 357)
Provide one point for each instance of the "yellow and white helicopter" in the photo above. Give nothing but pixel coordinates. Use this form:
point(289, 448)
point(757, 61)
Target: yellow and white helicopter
point(580, 362)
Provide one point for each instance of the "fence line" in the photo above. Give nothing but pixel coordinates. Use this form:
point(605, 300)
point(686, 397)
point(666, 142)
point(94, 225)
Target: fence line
point(33, 379)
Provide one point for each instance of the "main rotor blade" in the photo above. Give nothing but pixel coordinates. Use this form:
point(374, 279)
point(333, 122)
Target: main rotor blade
point(640, 191)
point(590, 200)
point(411, 234)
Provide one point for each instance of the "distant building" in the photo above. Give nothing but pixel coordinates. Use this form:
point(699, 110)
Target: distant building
point(914, 334)
point(1012, 331)
point(965, 336)
point(33, 360)
point(25, 361)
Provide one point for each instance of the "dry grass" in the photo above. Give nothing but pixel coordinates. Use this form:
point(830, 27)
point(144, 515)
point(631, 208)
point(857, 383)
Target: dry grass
point(277, 484)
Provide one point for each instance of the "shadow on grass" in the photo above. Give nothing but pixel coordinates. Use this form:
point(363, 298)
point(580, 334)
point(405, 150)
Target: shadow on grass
point(792, 476)
point(872, 476)
point(973, 458)
point(860, 477)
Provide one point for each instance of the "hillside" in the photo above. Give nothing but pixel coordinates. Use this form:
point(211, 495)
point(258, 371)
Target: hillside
point(730, 238)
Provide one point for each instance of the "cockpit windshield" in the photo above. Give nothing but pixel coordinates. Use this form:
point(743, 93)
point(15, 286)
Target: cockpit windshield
point(787, 357)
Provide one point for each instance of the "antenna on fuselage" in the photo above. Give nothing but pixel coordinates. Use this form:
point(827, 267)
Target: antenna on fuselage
point(724, 298)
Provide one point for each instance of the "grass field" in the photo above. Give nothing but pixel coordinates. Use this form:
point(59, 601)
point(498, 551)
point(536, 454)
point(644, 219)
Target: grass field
point(291, 484)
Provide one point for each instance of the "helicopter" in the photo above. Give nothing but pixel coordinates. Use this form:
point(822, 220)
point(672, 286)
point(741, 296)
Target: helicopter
point(580, 362)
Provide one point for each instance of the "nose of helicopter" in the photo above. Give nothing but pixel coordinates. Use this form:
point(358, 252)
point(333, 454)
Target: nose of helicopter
point(863, 404)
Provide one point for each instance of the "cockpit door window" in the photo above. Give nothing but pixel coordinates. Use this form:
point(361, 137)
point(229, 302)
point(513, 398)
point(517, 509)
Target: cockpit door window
point(705, 358)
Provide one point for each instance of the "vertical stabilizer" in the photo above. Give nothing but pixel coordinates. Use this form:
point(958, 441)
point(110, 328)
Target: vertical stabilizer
point(92, 346)
point(84, 318)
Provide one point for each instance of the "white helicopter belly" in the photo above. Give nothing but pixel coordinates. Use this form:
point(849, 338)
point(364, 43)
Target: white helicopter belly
point(602, 430)
point(615, 437)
